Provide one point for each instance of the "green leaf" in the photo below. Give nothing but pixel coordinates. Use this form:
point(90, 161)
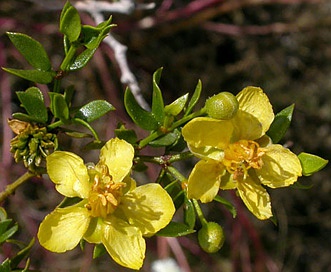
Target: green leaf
point(280, 124)
point(42, 77)
point(157, 101)
point(141, 117)
point(99, 250)
point(92, 36)
point(5, 266)
point(94, 110)
point(8, 233)
point(167, 139)
point(32, 50)
point(22, 254)
point(33, 102)
point(227, 205)
point(4, 225)
point(23, 117)
point(311, 163)
point(195, 98)
point(59, 106)
point(70, 24)
point(128, 135)
point(189, 213)
point(175, 229)
point(177, 106)
point(82, 59)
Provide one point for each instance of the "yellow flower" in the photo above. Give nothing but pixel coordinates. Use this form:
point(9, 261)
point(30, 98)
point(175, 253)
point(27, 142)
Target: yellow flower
point(113, 211)
point(236, 154)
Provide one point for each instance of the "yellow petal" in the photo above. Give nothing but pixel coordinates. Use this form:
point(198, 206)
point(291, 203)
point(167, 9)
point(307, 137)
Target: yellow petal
point(148, 207)
point(68, 172)
point(256, 198)
point(62, 229)
point(124, 243)
point(227, 182)
point(205, 134)
point(255, 102)
point(117, 155)
point(280, 167)
point(204, 180)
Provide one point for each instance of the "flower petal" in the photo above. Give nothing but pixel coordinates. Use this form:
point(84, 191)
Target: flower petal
point(117, 155)
point(124, 243)
point(204, 180)
point(280, 167)
point(256, 198)
point(148, 207)
point(203, 134)
point(255, 102)
point(62, 229)
point(68, 172)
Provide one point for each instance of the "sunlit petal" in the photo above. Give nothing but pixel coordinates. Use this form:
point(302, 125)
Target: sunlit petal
point(148, 207)
point(124, 243)
point(204, 180)
point(207, 133)
point(256, 198)
point(62, 229)
point(68, 172)
point(255, 102)
point(280, 168)
point(117, 155)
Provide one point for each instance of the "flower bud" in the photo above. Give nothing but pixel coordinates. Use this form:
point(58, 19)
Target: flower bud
point(222, 106)
point(211, 237)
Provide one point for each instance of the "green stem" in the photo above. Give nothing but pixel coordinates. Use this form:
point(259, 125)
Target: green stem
point(87, 125)
point(176, 124)
point(166, 159)
point(10, 188)
point(68, 58)
point(55, 125)
point(199, 212)
point(176, 174)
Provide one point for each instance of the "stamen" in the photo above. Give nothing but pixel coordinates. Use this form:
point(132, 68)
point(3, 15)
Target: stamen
point(240, 156)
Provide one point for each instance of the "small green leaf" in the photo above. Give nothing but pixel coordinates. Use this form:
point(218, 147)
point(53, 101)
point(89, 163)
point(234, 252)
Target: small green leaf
point(4, 225)
point(92, 36)
point(311, 163)
point(70, 24)
point(227, 205)
point(22, 254)
point(82, 59)
point(157, 101)
point(5, 266)
point(177, 106)
point(94, 110)
point(33, 102)
point(98, 251)
point(23, 117)
point(175, 229)
point(42, 77)
point(189, 213)
point(59, 106)
point(128, 135)
point(195, 98)
point(32, 50)
point(141, 117)
point(8, 233)
point(167, 139)
point(280, 124)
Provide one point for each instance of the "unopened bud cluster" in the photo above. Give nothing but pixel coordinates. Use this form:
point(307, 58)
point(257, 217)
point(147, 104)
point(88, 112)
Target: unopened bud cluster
point(32, 143)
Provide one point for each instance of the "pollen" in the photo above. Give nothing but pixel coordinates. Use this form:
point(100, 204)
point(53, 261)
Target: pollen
point(240, 156)
point(105, 195)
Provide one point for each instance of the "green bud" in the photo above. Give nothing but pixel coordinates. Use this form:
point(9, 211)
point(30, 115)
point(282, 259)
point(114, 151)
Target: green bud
point(222, 106)
point(211, 237)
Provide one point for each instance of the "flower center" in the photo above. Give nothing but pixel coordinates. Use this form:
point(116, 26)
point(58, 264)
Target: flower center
point(105, 194)
point(241, 156)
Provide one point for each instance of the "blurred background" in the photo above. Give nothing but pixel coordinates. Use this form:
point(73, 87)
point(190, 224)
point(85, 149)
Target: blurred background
point(282, 46)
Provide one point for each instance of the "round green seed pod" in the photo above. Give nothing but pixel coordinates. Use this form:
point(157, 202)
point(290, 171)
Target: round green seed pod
point(222, 106)
point(211, 237)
